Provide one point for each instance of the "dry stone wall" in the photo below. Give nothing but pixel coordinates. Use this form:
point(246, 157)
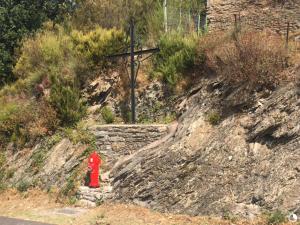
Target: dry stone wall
point(258, 14)
point(121, 140)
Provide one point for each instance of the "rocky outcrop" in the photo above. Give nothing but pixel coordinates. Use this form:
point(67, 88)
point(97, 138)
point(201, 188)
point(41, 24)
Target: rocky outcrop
point(153, 104)
point(246, 163)
point(50, 163)
point(99, 90)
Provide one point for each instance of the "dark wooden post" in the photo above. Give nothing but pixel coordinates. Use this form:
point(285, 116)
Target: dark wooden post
point(132, 77)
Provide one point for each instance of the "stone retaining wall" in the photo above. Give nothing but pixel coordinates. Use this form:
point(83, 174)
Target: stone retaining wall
point(126, 139)
point(259, 14)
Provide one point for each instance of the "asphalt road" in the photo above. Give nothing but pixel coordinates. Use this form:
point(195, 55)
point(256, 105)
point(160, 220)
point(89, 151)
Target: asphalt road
point(9, 221)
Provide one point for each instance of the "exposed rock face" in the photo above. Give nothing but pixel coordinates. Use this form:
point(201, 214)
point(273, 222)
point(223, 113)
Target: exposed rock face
point(115, 141)
point(260, 14)
point(250, 161)
point(53, 162)
point(153, 104)
point(98, 91)
point(46, 164)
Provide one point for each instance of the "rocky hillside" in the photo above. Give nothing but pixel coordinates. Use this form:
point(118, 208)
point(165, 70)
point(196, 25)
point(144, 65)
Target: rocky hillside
point(241, 161)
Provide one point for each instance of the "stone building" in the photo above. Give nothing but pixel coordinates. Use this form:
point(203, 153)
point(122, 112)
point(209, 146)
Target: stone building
point(259, 14)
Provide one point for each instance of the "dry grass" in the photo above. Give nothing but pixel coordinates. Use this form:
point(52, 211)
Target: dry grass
point(40, 206)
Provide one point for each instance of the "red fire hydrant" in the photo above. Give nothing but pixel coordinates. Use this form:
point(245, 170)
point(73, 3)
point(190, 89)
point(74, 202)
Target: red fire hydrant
point(94, 166)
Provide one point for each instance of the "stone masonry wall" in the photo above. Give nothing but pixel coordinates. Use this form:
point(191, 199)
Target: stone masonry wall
point(258, 14)
point(121, 140)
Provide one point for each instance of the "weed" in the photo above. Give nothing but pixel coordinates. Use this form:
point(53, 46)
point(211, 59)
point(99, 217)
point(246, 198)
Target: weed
point(38, 159)
point(79, 135)
point(99, 201)
point(10, 173)
point(72, 200)
point(230, 217)
point(87, 151)
point(169, 118)
point(3, 186)
point(276, 218)
point(69, 187)
point(145, 119)
point(108, 115)
point(23, 186)
point(214, 118)
point(54, 139)
point(2, 159)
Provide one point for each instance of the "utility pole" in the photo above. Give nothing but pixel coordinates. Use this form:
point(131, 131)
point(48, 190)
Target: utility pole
point(132, 76)
point(165, 6)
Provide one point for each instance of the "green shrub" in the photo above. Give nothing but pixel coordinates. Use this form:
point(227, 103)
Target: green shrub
point(56, 61)
point(23, 186)
point(38, 159)
point(108, 115)
point(94, 46)
point(276, 218)
point(3, 186)
point(10, 173)
point(230, 217)
point(48, 53)
point(2, 159)
point(69, 188)
point(177, 54)
point(169, 118)
point(99, 201)
point(72, 200)
point(79, 135)
point(214, 118)
point(67, 102)
point(12, 122)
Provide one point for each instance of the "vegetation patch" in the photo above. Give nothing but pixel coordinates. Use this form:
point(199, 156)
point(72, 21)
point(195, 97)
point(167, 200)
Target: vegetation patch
point(276, 218)
point(23, 186)
point(177, 55)
point(214, 118)
point(254, 59)
point(38, 159)
point(108, 115)
point(67, 102)
point(2, 159)
point(230, 217)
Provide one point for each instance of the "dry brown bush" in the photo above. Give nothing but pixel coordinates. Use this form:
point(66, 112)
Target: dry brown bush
point(24, 121)
point(254, 59)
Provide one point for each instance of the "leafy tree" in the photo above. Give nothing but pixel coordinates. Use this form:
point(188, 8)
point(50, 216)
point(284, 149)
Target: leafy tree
point(18, 18)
